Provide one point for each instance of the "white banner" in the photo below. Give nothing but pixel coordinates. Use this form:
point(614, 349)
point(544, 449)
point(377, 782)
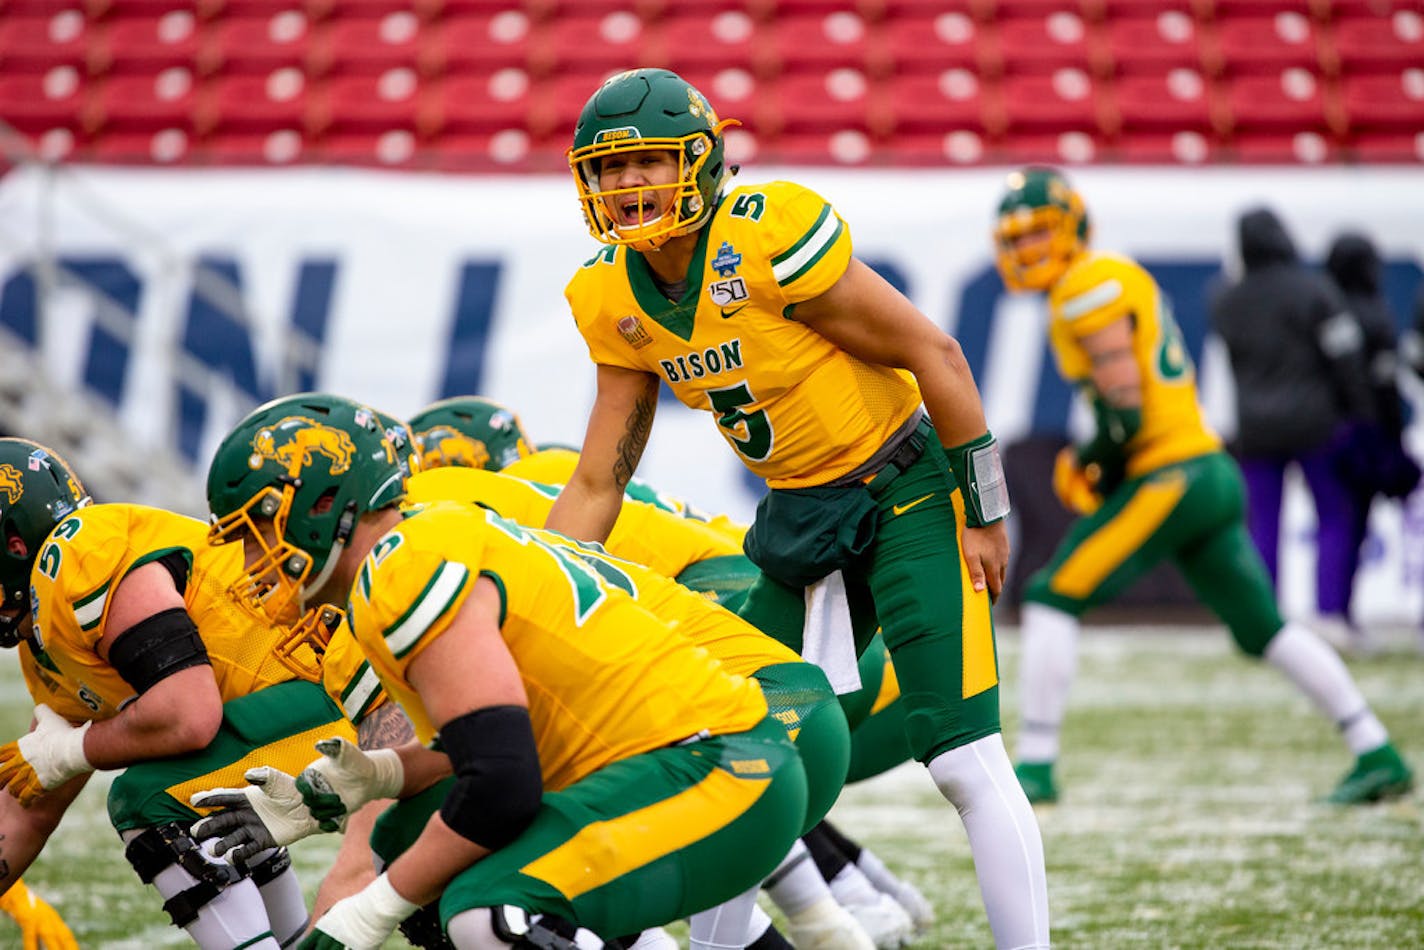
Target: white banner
point(221, 288)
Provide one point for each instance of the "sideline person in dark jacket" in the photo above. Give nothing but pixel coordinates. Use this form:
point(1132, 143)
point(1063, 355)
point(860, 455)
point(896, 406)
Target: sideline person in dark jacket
point(1302, 395)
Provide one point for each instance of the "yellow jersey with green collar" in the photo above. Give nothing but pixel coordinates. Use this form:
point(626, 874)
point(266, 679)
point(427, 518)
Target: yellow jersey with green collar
point(605, 678)
point(347, 677)
point(555, 466)
point(741, 648)
point(798, 410)
point(643, 533)
point(1099, 289)
point(82, 562)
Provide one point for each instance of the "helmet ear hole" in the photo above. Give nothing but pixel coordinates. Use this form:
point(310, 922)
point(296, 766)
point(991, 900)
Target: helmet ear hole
point(15, 544)
point(325, 502)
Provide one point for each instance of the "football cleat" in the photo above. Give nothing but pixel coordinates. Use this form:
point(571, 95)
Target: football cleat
point(1037, 781)
point(826, 925)
point(908, 896)
point(1377, 776)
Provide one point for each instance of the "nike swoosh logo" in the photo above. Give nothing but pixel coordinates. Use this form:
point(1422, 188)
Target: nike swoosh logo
point(728, 314)
point(898, 510)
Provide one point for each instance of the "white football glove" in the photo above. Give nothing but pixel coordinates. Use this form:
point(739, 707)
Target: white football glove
point(44, 758)
point(345, 778)
point(268, 813)
point(362, 921)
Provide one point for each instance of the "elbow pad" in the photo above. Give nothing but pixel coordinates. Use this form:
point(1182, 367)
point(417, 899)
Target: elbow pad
point(498, 785)
point(157, 647)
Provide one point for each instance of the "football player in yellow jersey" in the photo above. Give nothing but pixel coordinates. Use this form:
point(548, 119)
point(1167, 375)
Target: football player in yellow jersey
point(604, 769)
point(137, 657)
point(465, 432)
point(1153, 483)
point(748, 303)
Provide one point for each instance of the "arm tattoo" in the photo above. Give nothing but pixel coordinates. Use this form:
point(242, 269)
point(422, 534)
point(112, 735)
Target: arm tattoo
point(635, 439)
point(385, 728)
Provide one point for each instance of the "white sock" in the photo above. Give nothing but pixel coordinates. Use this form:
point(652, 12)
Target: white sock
point(282, 896)
point(1050, 658)
point(873, 868)
point(726, 926)
point(851, 886)
point(1003, 838)
point(1319, 673)
point(236, 917)
point(796, 883)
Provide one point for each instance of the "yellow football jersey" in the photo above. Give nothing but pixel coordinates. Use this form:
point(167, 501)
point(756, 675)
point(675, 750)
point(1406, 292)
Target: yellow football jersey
point(347, 677)
point(605, 678)
point(797, 410)
point(1098, 289)
point(555, 466)
point(650, 536)
point(82, 562)
point(741, 648)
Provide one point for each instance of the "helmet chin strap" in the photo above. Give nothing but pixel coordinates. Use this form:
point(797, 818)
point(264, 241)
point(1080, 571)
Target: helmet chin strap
point(344, 526)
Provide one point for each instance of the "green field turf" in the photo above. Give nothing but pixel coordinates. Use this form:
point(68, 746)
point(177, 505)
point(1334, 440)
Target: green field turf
point(1187, 819)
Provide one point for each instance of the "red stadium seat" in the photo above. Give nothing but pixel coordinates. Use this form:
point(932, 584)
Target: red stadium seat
point(370, 46)
point(1171, 101)
point(1388, 147)
point(394, 148)
point(935, 42)
point(148, 44)
point(37, 43)
point(1390, 102)
point(932, 149)
point(1168, 40)
point(1157, 148)
point(482, 103)
point(38, 101)
point(1073, 147)
point(164, 147)
point(1379, 42)
point(258, 45)
point(818, 102)
point(259, 105)
point(1292, 148)
point(1287, 103)
point(1260, 8)
point(52, 144)
point(1043, 44)
point(1065, 101)
point(480, 43)
point(721, 40)
point(609, 41)
point(464, 152)
point(1257, 45)
point(821, 41)
point(167, 100)
point(734, 93)
point(935, 105)
point(279, 147)
point(846, 147)
point(371, 104)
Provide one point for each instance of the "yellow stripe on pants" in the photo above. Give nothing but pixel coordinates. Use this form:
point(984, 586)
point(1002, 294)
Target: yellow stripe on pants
point(606, 850)
point(1119, 538)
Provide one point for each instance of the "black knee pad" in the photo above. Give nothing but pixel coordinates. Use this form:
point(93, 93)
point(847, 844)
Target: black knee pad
point(156, 849)
point(266, 871)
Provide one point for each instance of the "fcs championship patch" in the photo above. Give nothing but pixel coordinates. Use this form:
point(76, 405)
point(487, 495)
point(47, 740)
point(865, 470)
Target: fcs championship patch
point(632, 330)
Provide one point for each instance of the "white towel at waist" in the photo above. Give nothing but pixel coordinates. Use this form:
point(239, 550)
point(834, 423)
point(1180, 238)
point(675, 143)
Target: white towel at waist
point(828, 640)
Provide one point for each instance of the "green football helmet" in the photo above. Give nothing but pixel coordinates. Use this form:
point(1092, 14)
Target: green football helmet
point(292, 479)
point(641, 110)
point(1039, 199)
point(469, 431)
point(38, 490)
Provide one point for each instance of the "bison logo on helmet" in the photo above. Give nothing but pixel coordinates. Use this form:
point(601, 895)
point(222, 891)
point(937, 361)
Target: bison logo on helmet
point(296, 441)
point(443, 445)
point(12, 483)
